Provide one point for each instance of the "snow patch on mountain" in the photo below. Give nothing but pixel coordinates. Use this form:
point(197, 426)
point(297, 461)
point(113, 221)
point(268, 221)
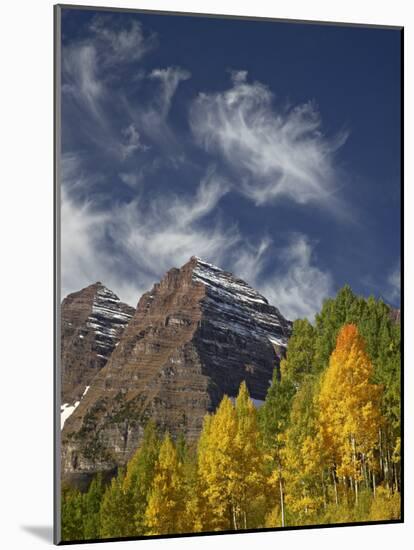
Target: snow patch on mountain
point(108, 316)
point(238, 307)
point(66, 410)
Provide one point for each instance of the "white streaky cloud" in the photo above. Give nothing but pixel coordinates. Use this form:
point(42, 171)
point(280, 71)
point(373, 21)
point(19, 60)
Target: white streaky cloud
point(151, 238)
point(85, 87)
point(132, 142)
point(132, 179)
point(248, 262)
point(170, 230)
point(82, 229)
point(275, 153)
point(71, 171)
point(73, 176)
point(79, 66)
point(299, 290)
point(169, 79)
point(394, 285)
point(147, 238)
point(209, 192)
point(112, 120)
point(238, 76)
point(88, 68)
point(152, 118)
point(85, 257)
point(122, 45)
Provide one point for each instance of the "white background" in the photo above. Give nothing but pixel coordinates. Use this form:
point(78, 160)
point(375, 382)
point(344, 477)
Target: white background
point(26, 299)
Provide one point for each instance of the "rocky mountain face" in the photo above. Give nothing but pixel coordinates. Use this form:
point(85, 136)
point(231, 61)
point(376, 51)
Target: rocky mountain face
point(194, 337)
point(92, 322)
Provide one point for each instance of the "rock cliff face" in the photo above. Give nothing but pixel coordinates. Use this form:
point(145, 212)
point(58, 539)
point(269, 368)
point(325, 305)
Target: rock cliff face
point(194, 337)
point(92, 321)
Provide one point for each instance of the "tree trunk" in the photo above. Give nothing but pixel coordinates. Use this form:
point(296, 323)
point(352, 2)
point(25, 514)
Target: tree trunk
point(395, 477)
point(234, 517)
point(388, 462)
point(282, 501)
point(365, 471)
point(324, 491)
point(381, 460)
point(335, 487)
point(355, 467)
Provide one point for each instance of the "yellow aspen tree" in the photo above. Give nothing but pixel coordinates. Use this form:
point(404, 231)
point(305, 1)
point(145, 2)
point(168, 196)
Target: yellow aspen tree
point(349, 407)
point(305, 484)
point(166, 500)
point(216, 458)
point(302, 458)
point(202, 511)
point(191, 520)
point(247, 471)
point(276, 481)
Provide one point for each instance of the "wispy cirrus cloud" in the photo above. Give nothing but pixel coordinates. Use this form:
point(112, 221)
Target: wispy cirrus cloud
point(300, 287)
point(249, 260)
point(121, 44)
point(82, 229)
point(394, 285)
point(273, 152)
point(80, 76)
point(131, 142)
point(152, 117)
point(169, 79)
point(74, 178)
point(89, 63)
point(112, 120)
point(131, 245)
point(172, 228)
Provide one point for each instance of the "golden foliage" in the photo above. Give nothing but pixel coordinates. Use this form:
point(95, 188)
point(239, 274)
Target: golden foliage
point(349, 406)
point(166, 501)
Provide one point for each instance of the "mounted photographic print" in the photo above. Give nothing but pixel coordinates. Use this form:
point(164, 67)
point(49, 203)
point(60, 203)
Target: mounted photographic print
point(228, 263)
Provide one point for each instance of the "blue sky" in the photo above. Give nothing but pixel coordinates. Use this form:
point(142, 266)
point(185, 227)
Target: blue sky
point(270, 149)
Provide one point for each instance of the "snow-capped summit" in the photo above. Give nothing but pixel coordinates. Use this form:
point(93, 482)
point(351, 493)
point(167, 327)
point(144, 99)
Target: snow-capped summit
point(92, 321)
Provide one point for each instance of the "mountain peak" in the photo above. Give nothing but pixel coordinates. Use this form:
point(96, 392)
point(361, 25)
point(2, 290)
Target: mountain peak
point(92, 321)
point(215, 277)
